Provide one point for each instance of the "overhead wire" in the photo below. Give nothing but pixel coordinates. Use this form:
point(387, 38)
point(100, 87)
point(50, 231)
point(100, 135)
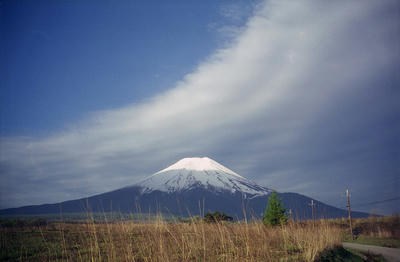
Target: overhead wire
point(373, 202)
point(376, 202)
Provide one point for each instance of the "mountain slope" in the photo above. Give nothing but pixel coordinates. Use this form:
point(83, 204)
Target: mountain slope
point(191, 186)
point(191, 202)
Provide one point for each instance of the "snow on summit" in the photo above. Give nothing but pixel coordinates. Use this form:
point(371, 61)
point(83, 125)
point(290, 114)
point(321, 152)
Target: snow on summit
point(196, 172)
point(199, 164)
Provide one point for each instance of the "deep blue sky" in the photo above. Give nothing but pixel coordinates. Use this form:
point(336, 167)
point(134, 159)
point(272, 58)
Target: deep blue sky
point(63, 59)
point(297, 96)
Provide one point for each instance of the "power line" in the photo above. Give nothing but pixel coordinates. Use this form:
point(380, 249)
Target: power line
point(378, 202)
point(375, 202)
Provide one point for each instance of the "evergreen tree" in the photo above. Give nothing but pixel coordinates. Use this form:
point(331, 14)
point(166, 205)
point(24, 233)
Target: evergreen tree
point(275, 213)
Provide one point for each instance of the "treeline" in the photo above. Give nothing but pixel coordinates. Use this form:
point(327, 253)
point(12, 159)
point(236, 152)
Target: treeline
point(37, 222)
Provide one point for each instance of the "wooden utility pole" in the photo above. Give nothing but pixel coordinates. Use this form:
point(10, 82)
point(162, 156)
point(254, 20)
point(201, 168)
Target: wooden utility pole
point(348, 205)
point(312, 211)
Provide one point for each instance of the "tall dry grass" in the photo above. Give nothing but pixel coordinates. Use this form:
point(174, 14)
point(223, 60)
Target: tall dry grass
point(198, 241)
point(159, 240)
point(373, 226)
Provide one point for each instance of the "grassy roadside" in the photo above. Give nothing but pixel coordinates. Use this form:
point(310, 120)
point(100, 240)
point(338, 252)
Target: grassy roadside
point(375, 241)
point(339, 254)
point(377, 231)
point(366, 256)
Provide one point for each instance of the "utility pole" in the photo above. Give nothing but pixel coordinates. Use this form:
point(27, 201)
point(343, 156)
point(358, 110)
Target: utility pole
point(348, 205)
point(312, 211)
point(290, 219)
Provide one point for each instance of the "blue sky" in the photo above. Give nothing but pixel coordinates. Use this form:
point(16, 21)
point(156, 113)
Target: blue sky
point(80, 57)
point(297, 96)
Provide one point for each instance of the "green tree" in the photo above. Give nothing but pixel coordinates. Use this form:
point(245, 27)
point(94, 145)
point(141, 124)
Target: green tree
point(275, 213)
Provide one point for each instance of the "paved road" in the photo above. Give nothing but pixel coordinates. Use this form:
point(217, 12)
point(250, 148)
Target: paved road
point(390, 254)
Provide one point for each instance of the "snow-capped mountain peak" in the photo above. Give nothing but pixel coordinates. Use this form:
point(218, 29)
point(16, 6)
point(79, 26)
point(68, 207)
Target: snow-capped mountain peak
point(191, 173)
point(199, 164)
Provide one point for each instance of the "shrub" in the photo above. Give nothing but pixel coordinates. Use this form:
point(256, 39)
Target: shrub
point(216, 217)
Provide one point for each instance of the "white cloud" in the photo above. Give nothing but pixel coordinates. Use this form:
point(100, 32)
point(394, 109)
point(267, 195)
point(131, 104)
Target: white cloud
point(252, 106)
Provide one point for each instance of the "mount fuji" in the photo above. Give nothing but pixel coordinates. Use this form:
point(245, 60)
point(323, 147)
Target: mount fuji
point(191, 186)
point(191, 173)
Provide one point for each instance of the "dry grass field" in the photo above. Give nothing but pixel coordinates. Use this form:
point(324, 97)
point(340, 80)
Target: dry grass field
point(379, 231)
point(158, 240)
